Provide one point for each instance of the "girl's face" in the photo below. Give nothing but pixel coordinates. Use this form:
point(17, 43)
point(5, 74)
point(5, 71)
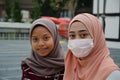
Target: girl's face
point(42, 41)
point(78, 31)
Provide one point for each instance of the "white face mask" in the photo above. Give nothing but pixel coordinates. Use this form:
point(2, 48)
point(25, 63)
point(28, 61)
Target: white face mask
point(80, 47)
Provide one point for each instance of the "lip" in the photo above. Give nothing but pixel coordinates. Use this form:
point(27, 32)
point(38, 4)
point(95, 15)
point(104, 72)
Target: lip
point(42, 50)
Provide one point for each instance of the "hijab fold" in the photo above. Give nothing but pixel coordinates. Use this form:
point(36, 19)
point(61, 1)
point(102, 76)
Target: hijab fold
point(98, 64)
point(52, 63)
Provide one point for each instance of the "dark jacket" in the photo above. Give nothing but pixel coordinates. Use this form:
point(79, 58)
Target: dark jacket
point(27, 74)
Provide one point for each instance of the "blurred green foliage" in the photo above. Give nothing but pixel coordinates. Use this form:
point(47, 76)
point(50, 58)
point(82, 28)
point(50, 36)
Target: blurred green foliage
point(47, 8)
point(16, 12)
point(8, 10)
point(13, 11)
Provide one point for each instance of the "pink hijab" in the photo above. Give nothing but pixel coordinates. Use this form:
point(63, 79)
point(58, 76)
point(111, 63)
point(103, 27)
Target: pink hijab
point(96, 66)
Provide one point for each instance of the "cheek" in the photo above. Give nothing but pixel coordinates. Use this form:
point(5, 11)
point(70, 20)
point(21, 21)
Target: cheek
point(51, 45)
point(89, 37)
point(33, 46)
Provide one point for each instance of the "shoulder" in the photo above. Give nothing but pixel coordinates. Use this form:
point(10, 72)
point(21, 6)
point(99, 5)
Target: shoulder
point(25, 71)
point(27, 74)
point(115, 75)
point(24, 66)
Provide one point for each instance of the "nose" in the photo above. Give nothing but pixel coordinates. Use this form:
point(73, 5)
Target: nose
point(41, 43)
point(77, 37)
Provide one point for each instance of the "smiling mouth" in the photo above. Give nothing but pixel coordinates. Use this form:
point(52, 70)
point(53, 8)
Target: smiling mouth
point(43, 50)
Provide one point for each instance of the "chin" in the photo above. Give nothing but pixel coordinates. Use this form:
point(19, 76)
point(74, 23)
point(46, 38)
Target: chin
point(43, 55)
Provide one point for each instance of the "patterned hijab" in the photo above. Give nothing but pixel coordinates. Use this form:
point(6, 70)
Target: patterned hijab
point(52, 63)
point(98, 64)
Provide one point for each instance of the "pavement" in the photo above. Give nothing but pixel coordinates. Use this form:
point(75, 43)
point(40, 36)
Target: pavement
point(13, 51)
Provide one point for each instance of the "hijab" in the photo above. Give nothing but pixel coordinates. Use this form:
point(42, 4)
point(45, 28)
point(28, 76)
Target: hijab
point(98, 64)
point(51, 63)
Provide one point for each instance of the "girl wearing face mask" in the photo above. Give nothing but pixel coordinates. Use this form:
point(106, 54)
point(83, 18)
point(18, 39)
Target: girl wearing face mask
point(88, 56)
point(47, 58)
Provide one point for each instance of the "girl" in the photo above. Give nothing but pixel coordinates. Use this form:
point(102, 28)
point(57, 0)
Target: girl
point(88, 56)
point(46, 61)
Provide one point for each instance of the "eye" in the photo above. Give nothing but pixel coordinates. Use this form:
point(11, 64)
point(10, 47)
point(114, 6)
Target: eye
point(72, 36)
point(84, 35)
point(34, 39)
point(46, 38)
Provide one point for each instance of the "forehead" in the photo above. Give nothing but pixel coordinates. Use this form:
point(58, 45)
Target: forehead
point(75, 26)
point(40, 30)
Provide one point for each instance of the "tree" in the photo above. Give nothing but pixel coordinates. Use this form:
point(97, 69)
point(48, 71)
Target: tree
point(83, 6)
point(47, 8)
point(16, 12)
point(36, 10)
point(73, 5)
point(8, 9)
point(53, 7)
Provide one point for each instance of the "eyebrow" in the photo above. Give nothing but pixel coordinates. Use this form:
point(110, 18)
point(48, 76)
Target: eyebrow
point(83, 31)
point(79, 31)
point(71, 32)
